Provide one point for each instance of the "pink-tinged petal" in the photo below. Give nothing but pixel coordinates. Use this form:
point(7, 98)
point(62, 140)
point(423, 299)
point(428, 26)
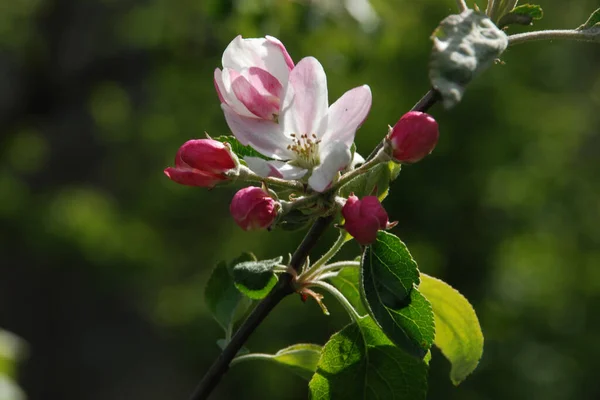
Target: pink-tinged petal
point(347, 114)
point(261, 53)
point(218, 81)
point(305, 103)
point(264, 82)
point(224, 85)
point(264, 107)
point(263, 135)
point(277, 169)
point(286, 55)
point(207, 155)
point(193, 177)
point(337, 157)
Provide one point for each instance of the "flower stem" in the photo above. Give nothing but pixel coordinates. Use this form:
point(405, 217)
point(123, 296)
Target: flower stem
point(379, 157)
point(332, 251)
point(584, 35)
point(340, 297)
point(317, 273)
point(245, 174)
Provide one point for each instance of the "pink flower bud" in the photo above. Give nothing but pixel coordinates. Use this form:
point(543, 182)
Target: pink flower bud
point(364, 218)
point(253, 208)
point(201, 162)
point(413, 137)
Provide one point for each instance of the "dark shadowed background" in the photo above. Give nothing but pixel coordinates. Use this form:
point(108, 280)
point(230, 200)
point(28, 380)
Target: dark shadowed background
point(103, 260)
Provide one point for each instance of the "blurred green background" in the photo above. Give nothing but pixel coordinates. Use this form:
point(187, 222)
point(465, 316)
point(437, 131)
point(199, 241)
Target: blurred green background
point(103, 260)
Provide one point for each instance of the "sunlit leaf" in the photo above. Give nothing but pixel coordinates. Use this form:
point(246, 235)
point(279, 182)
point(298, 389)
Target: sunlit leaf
point(360, 362)
point(300, 358)
point(389, 279)
point(457, 330)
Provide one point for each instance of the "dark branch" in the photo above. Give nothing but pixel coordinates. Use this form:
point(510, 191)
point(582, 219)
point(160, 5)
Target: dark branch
point(281, 290)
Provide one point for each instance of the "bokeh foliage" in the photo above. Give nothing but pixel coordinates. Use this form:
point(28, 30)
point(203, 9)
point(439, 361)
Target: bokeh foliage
point(103, 260)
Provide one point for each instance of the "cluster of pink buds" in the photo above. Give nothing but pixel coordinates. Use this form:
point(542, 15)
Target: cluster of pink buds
point(208, 162)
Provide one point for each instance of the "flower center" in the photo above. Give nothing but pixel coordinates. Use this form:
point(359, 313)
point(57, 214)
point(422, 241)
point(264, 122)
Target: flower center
point(306, 149)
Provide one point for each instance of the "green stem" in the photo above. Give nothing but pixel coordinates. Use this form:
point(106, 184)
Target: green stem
point(380, 157)
point(245, 174)
point(584, 35)
point(340, 297)
point(330, 253)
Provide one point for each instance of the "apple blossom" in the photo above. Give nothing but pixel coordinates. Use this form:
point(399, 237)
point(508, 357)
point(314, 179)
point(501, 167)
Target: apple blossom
point(308, 137)
point(253, 208)
point(363, 218)
point(202, 162)
point(413, 137)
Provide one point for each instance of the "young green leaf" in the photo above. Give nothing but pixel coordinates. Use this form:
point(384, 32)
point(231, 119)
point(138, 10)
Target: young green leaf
point(347, 281)
point(592, 22)
point(375, 182)
point(300, 358)
point(255, 279)
point(389, 279)
point(239, 149)
point(224, 301)
point(458, 334)
point(463, 46)
point(360, 362)
point(523, 15)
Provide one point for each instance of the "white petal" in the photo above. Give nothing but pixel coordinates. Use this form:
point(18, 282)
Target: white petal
point(263, 135)
point(278, 169)
point(262, 53)
point(347, 114)
point(335, 157)
point(305, 102)
point(357, 159)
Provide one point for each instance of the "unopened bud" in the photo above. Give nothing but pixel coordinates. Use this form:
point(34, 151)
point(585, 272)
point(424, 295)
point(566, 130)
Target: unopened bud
point(413, 137)
point(253, 208)
point(202, 162)
point(364, 218)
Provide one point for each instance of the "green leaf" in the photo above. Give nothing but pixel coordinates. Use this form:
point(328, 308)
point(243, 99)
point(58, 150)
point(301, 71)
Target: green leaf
point(348, 283)
point(458, 334)
point(532, 10)
point(224, 301)
point(376, 181)
point(360, 362)
point(522, 15)
point(300, 358)
point(389, 279)
point(464, 45)
point(592, 22)
point(239, 149)
point(255, 279)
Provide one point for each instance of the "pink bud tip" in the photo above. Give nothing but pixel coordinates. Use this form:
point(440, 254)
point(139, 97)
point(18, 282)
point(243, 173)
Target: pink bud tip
point(253, 208)
point(201, 162)
point(413, 137)
point(364, 218)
